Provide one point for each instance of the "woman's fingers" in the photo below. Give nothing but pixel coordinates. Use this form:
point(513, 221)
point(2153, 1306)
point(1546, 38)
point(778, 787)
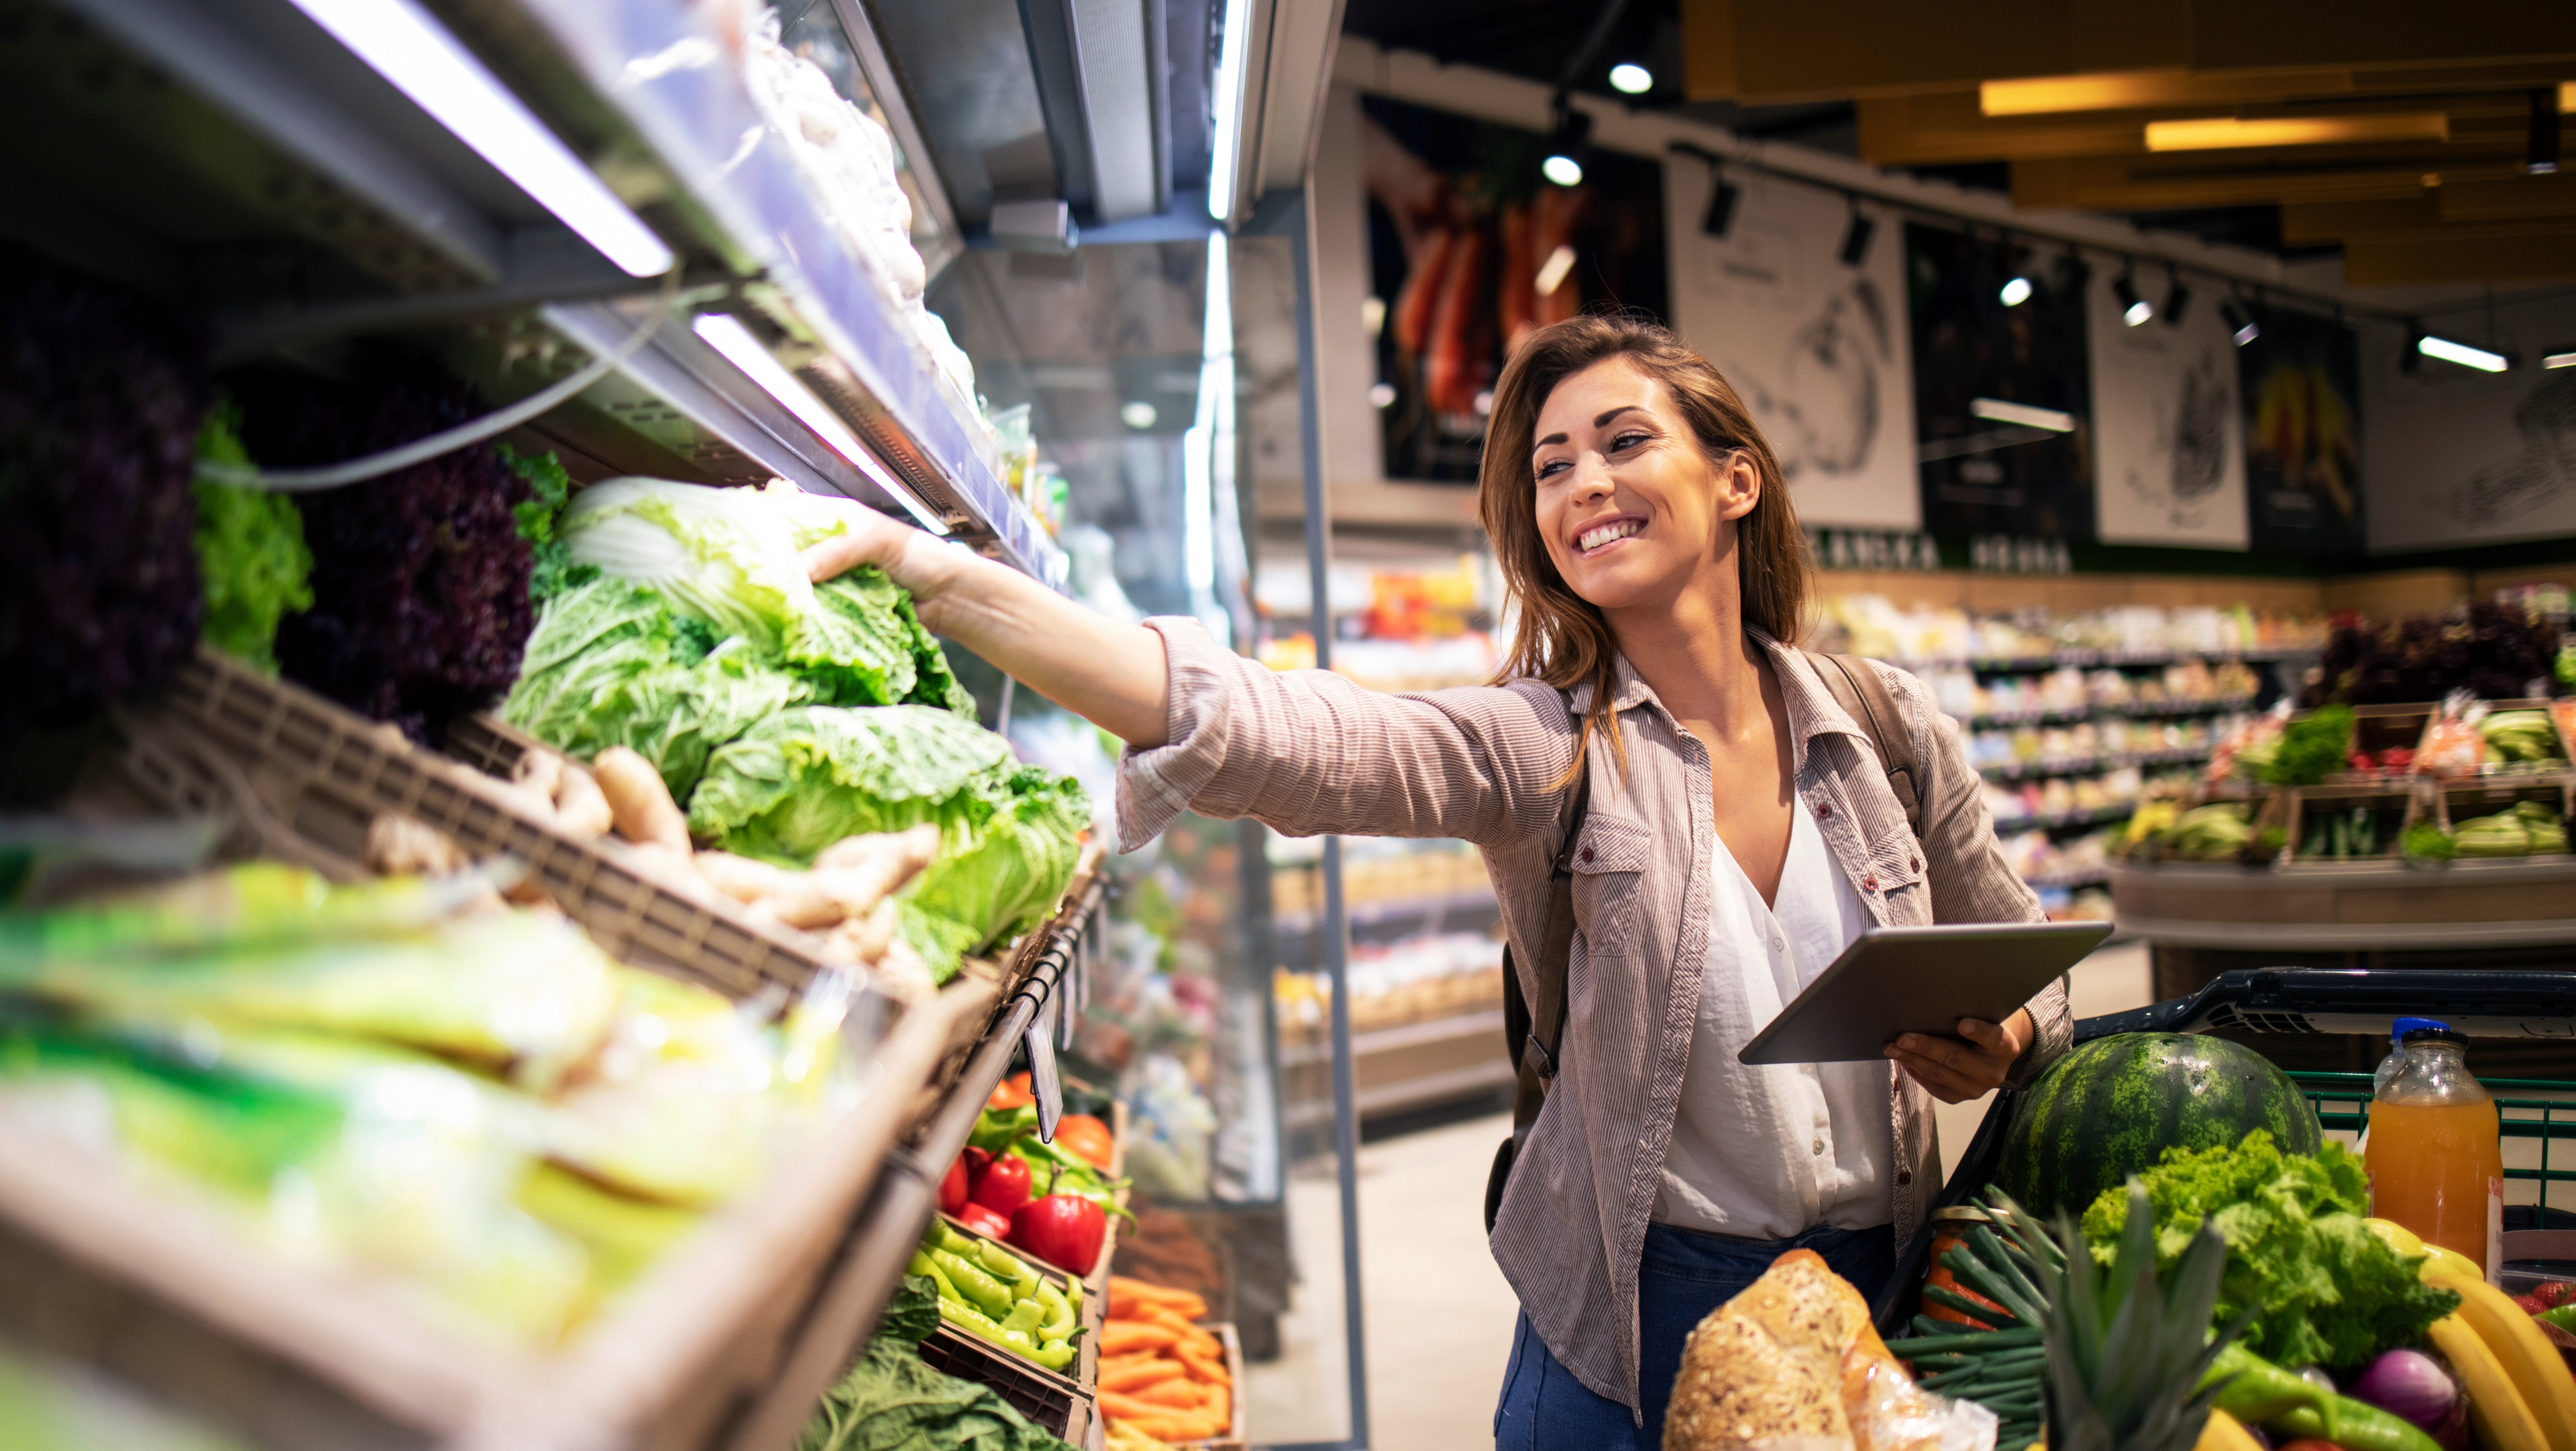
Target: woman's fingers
point(1951, 1070)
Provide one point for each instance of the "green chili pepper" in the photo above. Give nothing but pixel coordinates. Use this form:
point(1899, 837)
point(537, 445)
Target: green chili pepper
point(2357, 1426)
point(1006, 1267)
point(1026, 1315)
point(980, 1289)
point(1054, 1356)
point(965, 1318)
point(2260, 1393)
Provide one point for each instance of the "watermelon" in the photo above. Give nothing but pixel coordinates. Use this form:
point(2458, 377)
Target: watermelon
point(2113, 1106)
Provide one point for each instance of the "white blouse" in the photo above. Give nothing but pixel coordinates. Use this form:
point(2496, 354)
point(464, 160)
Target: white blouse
point(1768, 1152)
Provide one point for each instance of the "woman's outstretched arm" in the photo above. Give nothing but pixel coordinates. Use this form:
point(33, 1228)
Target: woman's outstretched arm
point(1107, 671)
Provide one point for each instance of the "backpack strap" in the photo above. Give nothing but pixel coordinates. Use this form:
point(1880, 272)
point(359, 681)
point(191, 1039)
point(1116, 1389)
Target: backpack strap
point(1857, 688)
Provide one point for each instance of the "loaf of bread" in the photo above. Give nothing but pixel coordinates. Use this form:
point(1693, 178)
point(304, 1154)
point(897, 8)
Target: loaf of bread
point(1793, 1364)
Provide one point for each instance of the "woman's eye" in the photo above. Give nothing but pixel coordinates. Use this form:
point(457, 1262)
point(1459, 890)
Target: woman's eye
point(1625, 441)
point(1551, 468)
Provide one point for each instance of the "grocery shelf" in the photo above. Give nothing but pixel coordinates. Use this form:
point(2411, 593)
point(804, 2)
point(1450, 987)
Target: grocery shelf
point(2067, 820)
point(2135, 708)
point(1470, 907)
point(2089, 659)
point(1413, 1065)
point(2089, 765)
point(2390, 904)
point(340, 207)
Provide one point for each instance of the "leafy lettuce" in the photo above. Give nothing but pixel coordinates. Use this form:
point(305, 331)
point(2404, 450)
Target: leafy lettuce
point(250, 548)
point(892, 1400)
point(805, 777)
point(2325, 1290)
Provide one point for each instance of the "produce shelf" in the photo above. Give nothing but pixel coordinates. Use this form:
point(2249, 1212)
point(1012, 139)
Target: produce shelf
point(1407, 1067)
point(341, 208)
point(2350, 905)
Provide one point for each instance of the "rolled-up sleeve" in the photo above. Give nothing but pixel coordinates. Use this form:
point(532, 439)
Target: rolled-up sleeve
point(1308, 751)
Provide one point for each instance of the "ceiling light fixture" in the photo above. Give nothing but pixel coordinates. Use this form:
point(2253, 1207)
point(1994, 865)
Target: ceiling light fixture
point(1722, 196)
point(1552, 272)
point(1229, 107)
point(2016, 290)
point(2467, 355)
point(1856, 236)
point(2177, 297)
point(2002, 411)
point(2133, 308)
point(2240, 324)
point(1630, 78)
point(402, 43)
point(2559, 357)
point(1568, 143)
point(2540, 154)
point(1138, 414)
point(725, 333)
point(2228, 133)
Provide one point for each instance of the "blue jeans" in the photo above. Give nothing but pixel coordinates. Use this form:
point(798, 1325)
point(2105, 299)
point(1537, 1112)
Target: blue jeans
point(1684, 1275)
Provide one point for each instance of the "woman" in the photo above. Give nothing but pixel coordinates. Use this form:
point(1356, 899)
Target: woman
point(1740, 832)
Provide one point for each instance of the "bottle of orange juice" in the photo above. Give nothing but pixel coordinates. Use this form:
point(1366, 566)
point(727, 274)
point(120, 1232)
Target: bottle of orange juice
point(2436, 1154)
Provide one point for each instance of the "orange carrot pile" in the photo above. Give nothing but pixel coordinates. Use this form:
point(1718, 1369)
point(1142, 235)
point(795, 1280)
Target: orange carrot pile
point(1159, 1373)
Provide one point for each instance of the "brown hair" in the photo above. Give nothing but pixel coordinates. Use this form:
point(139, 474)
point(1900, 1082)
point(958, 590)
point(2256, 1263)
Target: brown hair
point(1561, 637)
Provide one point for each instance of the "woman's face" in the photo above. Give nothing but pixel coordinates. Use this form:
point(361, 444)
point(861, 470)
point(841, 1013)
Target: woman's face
point(1633, 512)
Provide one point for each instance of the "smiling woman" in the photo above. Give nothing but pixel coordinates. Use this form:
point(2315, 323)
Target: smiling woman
point(1740, 830)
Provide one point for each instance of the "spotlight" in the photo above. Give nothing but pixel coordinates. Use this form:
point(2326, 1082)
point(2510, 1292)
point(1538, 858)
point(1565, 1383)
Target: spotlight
point(2177, 297)
point(1630, 78)
point(2133, 308)
point(1567, 146)
point(1138, 414)
point(2485, 360)
point(2016, 290)
point(1856, 237)
point(1721, 205)
point(2540, 154)
point(2240, 324)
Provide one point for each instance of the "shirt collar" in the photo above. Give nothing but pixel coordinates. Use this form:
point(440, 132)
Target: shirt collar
point(1810, 704)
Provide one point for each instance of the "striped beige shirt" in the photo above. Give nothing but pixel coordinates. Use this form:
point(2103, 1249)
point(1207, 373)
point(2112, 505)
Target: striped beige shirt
point(1308, 752)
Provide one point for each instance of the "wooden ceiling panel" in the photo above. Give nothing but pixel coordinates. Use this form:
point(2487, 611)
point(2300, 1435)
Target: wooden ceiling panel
point(2510, 196)
point(2420, 261)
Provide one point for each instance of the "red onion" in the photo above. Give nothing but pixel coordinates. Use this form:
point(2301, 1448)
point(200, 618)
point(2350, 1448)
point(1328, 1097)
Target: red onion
point(2410, 1385)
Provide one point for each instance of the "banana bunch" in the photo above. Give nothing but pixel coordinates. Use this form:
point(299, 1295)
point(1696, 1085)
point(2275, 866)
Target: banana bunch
point(2521, 1397)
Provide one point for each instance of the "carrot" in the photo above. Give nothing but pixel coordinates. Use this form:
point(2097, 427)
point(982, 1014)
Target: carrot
point(1121, 1404)
point(1217, 1401)
point(1171, 1427)
point(1120, 1336)
point(1128, 1296)
point(1183, 1331)
point(1131, 1358)
point(1177, 1393)
point(1137, 1377)
point(1203, 1366)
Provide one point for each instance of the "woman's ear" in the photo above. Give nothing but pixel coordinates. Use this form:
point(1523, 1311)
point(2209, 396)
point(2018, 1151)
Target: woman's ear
point(1739, 484)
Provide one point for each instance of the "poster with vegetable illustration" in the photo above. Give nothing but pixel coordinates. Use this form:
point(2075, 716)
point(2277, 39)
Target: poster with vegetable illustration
point(2302, 434)
point(2002, 390)
point(2459, 456)
point(1814, 345)
point(2169, 456)
point(1470, 250)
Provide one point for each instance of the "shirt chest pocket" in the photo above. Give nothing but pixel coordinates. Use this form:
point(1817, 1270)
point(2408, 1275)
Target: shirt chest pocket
point(1609, 864)
point(1895, 877)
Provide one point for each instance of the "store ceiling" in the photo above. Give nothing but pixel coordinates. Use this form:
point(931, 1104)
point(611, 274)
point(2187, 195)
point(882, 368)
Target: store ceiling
point(2416, 140)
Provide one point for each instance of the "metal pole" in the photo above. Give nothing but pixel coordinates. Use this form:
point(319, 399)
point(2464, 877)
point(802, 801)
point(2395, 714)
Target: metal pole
point(1335, 929)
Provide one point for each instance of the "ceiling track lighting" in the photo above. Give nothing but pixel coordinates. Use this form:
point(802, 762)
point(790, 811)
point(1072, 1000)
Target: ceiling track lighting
point(1722, 196)
point(2559, 357)
point(2540, 154)
point(2467, 355)
point(2017, 287)
point(1569, 145)
point(2133, 308)
point(2177, 296)
point(1631, 79)
point(1856, 236)
point(2241, 324)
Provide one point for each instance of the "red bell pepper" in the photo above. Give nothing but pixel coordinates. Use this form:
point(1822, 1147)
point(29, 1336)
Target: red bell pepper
point(990, 1223)
point(1065, 1230)
point(952, 1185)
point(1003, 1186)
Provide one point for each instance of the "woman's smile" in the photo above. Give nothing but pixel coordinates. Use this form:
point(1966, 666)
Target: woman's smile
point(1602, 534)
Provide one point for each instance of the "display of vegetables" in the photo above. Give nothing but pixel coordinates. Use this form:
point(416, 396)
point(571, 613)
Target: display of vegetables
point(407, 1076)
point(2219, 831)
point(783, 716)
point(1042, 1198)
point(892, 1400)
point(2309, 749)
point(2530, 828)
point(102, 394)
point(2493, 651)
point(250, 547)
point(2520, 736)
point(994, 1295)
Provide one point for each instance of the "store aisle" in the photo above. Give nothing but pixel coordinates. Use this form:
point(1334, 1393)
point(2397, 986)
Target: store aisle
point(1440, 1315)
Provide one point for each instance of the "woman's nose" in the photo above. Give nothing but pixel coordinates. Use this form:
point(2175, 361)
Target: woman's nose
point(1591, 478)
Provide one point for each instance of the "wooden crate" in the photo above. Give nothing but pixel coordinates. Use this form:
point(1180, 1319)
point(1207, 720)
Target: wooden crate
point(2394, 806)
point(157, 1288)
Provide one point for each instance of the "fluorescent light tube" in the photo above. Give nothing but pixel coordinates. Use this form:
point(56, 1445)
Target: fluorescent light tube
point(1229, 107)
point(2024, 414)
point(726, 334)
point(2482, 359)
point(423, 61)
point(2224, 133)
point(2559, 358)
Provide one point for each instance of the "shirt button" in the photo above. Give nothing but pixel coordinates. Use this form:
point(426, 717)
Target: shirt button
point(1587, 853)
point(1818, 1146)
point(1904, 1177)
point(1869, 884)
point(1824, 808)
point(1914, 864)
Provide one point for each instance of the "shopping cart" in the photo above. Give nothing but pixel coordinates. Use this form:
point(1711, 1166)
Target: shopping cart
point(2540, 1238)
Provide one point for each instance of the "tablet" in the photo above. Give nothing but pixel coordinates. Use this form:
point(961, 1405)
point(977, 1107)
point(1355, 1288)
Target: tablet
point(1895, 980)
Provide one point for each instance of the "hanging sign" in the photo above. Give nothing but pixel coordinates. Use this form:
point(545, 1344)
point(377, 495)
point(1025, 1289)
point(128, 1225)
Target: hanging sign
point(2168, 431)
point(1815, 345)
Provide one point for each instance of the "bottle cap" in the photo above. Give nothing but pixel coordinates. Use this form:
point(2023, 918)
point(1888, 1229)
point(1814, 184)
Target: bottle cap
point(2398, 1030)
point(2437, 1033)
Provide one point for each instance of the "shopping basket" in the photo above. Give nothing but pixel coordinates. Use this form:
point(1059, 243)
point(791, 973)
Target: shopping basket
point(2540, 1237)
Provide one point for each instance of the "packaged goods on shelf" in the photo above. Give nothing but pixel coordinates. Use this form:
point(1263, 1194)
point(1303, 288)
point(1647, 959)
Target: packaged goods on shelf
point(1874, 626)
point(1418, 979)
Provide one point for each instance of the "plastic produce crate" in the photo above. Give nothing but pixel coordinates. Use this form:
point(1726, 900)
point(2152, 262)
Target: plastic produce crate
point(1053, 1403)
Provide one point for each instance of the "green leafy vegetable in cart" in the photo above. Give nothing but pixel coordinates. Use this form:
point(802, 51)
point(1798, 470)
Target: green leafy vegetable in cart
point(2323, 1289)
point(892, 1400)
point(540, 518)
point(250, 547)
